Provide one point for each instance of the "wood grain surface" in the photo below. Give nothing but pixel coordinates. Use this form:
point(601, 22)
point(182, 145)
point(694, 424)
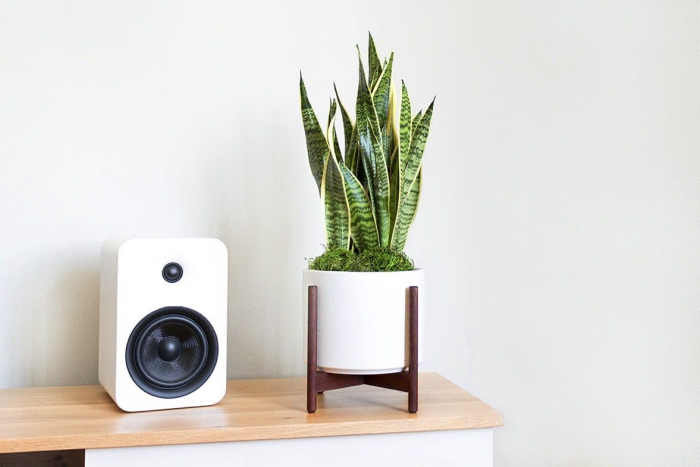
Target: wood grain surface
point(85, 417)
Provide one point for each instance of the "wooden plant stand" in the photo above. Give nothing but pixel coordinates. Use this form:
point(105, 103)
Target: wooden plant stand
point(318, 381)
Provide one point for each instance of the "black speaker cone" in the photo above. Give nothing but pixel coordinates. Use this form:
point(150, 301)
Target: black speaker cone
point(172, 352)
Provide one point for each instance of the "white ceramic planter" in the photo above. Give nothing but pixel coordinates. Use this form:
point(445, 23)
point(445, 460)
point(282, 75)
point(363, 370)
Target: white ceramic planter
point(363, 319)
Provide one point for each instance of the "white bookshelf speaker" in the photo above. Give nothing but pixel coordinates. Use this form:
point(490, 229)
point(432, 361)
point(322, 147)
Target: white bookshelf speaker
point(163, 310)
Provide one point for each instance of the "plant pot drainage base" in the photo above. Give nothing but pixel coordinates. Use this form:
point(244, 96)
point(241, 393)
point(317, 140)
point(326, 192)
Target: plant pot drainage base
point(318, 381)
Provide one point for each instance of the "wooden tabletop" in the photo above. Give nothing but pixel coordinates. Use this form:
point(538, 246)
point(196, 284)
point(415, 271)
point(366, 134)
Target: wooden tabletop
point(84, 417)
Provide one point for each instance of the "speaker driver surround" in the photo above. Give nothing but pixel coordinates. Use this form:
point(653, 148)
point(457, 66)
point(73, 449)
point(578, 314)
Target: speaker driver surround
point(171, 352)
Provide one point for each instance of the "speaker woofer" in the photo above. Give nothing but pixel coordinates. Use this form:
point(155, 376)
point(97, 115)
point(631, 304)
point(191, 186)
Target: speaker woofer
point(171, 352)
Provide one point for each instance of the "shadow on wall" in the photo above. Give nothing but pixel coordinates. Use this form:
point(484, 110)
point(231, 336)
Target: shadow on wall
point(57, 325)
point(255, 219)
point(251, 352)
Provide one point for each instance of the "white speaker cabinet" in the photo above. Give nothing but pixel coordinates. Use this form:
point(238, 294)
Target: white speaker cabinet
point(163, 312)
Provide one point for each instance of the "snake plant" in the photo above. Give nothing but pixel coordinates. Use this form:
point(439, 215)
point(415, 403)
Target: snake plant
point(370, 188)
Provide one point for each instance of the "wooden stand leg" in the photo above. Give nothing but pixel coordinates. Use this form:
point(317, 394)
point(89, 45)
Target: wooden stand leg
point(413, 350)
point(312, 341)
point(318, 381)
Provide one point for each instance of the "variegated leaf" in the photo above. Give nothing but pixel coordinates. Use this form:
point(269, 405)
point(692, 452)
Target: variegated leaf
point(381, 93)
point(332, 110)
point(316, 144)
point(398, 162)
point(332, 135)
point(373, 160)
point(375, 65)
point(381, 101)
point(392, 131)
point(405, 130)
point(416, 121)
point(347, 122)
point(363, 227)
point(415, 155)
point(335, 202)
point(394, 185)
point(406, 215)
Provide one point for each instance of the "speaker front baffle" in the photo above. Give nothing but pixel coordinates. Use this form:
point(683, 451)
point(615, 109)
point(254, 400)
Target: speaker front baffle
point(163, 313)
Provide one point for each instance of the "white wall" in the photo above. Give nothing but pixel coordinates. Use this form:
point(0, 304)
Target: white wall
point(560, 222)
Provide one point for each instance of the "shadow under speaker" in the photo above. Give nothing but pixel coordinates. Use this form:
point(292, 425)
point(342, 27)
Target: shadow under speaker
point(163, 312)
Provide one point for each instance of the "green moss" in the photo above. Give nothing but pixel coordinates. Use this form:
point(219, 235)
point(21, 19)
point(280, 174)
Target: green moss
point(379, 260)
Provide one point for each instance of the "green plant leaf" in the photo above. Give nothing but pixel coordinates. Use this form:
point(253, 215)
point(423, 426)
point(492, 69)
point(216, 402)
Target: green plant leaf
point(316, 144)
point(394, 185)
point(363, 227)
point(331, 112)
point(409, 177)
point(375, 65)
point(381, 101)
point(377, 174)
point(392, 131)
point(380, 94)
point(398, 162)
point(415, 155)
point(405, 127)
point(406, 215)
point(416, 121)
point(348, 127)
point(351, 159)
point(371, 150)
point(331, 129)
point(334, 201)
